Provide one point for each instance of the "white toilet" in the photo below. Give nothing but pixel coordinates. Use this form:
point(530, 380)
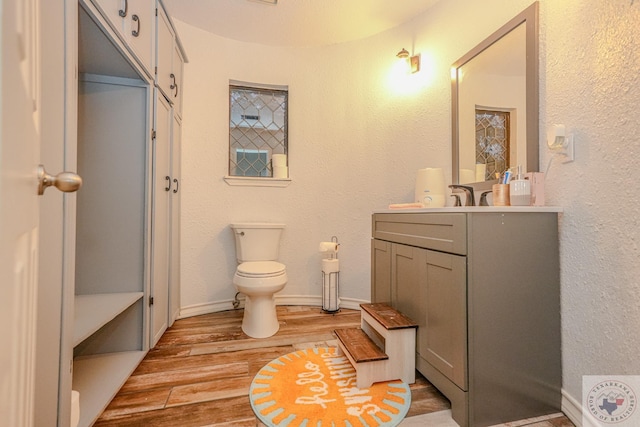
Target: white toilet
point(258, 275)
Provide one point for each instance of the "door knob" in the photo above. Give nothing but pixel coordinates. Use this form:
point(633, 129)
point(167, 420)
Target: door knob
point(67, 182)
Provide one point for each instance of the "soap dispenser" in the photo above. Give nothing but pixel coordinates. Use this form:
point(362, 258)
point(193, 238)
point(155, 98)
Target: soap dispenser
point(520, 190)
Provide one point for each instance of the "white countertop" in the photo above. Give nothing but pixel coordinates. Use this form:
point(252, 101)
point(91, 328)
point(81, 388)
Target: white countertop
point(465, 209)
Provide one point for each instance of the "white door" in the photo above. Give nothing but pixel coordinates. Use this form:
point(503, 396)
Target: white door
point(162, 187)
point(21, 118)
point(19, 155)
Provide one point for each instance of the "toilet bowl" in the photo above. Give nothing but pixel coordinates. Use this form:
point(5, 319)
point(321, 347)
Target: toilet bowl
point(259, 276)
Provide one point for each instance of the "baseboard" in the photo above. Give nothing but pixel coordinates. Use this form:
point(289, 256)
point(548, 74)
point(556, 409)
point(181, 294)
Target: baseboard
point(572, 408)
point(309, 300)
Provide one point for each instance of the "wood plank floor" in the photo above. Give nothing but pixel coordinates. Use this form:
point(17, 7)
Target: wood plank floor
point(200, 372)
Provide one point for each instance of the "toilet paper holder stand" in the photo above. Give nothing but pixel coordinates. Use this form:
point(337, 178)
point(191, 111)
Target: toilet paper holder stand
point(331, 280)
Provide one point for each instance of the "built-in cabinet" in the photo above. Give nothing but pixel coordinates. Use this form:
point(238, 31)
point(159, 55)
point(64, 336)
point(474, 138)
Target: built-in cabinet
point(127, 218)
point(111, 243)
point(484, 290)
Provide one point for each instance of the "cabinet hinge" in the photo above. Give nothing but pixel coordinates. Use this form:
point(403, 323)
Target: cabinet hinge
point(156, 70)
point(150, 301)
point(153, 134)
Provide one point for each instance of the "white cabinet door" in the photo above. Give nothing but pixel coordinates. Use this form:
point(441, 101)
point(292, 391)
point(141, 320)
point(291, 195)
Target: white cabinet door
point(139, 30)
point(174, 273)
point(114, 11)
point(134, 21)
point(177, 64)
point(162, 187)
point(164, 55)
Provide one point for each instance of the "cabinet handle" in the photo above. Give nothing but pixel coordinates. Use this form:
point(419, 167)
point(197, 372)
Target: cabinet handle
point(175, 190)
point(174, 85)
point(123, 12)
point(168, 178)
point(135, 32)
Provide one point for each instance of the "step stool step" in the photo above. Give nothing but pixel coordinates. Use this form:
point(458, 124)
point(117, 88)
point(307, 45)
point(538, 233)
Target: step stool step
point(388, 317)
point(359, 345)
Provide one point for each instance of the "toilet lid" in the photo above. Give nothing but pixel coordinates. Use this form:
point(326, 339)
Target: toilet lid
point(260, 268)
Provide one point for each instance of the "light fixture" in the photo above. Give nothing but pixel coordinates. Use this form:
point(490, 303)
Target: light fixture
point(413, 61)
point(403, 54)
point(266, 1)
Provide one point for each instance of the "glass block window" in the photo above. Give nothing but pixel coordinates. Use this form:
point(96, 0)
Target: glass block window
point(492, 141)
point(257, 128)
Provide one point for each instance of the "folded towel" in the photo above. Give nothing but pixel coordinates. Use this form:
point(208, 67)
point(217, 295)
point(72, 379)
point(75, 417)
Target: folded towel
point(406, 206)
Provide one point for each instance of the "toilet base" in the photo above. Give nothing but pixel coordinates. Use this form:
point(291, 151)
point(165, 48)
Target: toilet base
point(260, 319)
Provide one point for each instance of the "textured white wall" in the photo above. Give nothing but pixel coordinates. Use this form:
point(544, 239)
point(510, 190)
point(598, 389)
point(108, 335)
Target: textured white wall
point(591, 83)
point(355, 146)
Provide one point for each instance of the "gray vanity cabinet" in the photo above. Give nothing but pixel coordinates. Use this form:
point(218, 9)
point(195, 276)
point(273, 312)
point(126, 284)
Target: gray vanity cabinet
point(484, 290)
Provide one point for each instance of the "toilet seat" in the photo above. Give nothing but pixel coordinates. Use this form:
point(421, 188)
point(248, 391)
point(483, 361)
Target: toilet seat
point(259, 269)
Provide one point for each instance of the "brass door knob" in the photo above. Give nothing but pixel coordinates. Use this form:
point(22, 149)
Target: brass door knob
point(67, 182)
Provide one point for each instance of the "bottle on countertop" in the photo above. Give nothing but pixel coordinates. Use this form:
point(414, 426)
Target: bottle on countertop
point(520, 190)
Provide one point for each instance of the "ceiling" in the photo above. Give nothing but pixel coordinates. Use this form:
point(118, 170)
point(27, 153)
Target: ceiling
point(296, 23)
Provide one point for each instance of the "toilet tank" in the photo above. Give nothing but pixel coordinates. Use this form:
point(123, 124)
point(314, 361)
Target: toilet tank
point(257, 241)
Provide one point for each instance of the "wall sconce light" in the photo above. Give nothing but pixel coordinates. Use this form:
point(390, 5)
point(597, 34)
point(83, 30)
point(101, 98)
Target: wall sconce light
point(413, 61)
point(558, 140)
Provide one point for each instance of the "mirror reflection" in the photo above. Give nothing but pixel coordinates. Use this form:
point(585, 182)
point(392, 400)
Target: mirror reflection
point(495, 104)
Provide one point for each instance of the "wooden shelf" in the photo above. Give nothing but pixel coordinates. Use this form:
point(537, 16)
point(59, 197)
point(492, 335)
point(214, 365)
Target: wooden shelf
point(94, 311)
point(98, 378)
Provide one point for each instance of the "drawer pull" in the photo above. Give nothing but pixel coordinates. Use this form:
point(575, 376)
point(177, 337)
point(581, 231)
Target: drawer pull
point(123, 12)
point(136, 32)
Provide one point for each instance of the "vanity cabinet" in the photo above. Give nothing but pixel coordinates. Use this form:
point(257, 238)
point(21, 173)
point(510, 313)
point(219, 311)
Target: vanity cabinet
point(483, 286)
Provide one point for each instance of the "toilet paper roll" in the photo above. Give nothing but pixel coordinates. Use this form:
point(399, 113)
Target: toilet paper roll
point(330, 266)
point(279, 160)
point(328, 247)
point(280, 172)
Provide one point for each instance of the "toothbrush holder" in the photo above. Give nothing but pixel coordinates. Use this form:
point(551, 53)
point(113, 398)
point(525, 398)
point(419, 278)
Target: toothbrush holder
point(500, 194)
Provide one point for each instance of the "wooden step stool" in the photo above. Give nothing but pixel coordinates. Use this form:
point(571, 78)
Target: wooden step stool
point(383, 348)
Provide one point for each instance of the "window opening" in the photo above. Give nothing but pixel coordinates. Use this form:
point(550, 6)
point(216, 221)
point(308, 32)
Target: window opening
point(492, 141)
point(257, 128)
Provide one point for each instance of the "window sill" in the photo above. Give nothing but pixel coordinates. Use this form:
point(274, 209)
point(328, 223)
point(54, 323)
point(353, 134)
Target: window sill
point(245, 181)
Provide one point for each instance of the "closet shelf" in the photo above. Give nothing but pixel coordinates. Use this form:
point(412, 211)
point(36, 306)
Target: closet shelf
point(99, 377)
point(94, 311)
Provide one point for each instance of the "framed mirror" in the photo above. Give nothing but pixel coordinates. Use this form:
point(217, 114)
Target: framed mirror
point(494, 93)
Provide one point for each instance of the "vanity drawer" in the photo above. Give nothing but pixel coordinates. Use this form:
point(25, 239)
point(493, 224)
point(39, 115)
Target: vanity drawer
point(445, 232)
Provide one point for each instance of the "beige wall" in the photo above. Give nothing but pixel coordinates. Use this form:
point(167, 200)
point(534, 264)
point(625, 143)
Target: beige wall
point(356, 143)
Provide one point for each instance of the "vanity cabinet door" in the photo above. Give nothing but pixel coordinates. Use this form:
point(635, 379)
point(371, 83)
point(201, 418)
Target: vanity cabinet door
point(380, 271)
point(442, 339)
point(405, 279)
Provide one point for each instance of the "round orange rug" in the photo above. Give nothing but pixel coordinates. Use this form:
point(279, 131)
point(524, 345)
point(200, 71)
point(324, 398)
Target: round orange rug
point(317, 387)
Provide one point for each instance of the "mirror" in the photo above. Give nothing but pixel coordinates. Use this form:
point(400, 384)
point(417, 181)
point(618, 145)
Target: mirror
point(494, 95)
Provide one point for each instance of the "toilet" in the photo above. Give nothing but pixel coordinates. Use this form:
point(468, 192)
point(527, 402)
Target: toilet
point(258, 275)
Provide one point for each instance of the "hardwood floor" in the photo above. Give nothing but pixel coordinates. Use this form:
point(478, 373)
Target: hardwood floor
point(200, 372)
